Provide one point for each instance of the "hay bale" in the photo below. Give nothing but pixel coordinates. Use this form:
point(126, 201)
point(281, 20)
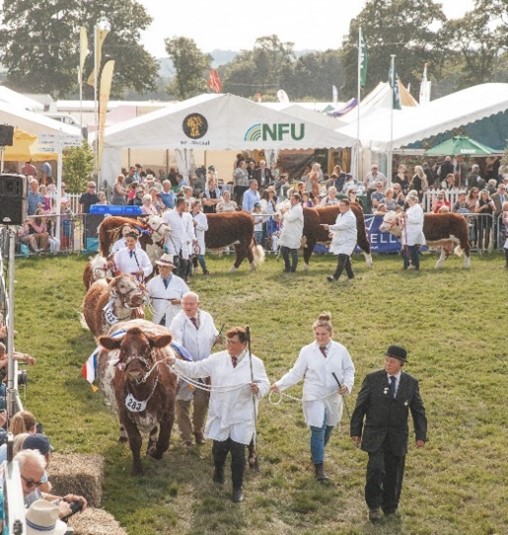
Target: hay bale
point(95, 522)
point(77, 473)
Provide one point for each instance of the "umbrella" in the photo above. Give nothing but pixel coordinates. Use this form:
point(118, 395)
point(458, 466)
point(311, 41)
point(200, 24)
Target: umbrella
point(458, 145)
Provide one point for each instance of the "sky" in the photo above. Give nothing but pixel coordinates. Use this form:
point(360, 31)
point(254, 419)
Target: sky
point(228, 25)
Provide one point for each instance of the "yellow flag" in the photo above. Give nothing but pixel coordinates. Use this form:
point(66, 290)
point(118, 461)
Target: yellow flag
point(100, 36)
point(104, 91)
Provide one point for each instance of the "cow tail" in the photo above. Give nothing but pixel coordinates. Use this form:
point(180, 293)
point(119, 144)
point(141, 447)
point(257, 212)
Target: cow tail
point(257, 252)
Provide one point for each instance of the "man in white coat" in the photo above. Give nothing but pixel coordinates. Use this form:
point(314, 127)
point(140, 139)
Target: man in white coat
point(166, 291)
point(195, 330)
point(328, 373)
point(344, 240)
point(239, 381)
point(411, 224)
point(291, 234)
point(200, 222)
point(181, 237)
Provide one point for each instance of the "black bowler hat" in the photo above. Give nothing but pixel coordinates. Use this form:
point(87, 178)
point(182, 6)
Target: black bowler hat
point(397, 352)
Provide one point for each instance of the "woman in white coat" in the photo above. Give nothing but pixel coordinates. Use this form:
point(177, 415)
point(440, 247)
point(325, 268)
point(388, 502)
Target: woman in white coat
point(237, 378)
point(411, 224)
point(200, 222)
point(291, 233)
point(328, 373)
point(344, 240)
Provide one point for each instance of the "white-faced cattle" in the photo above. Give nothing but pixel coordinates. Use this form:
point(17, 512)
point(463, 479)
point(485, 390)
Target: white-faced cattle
point(134, 376)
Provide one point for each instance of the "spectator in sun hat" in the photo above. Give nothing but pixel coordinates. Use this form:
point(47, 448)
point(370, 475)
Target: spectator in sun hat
point(42, 518)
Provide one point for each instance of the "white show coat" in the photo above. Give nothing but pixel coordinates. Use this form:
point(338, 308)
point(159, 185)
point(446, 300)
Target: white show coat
point(292, 227)
point(316, 370)
point(162, 306)
point(181, 234)
point(230, 411)
point(344, 234)
point(132, 264)
point(413, 232)
point(200, 227)
point(198, 342)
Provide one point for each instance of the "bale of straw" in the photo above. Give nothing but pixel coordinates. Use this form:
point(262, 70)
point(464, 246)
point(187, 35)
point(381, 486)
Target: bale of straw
point(77, 473)
point(95, 522)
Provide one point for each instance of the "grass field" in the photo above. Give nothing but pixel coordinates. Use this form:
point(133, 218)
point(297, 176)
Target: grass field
point(453, 322)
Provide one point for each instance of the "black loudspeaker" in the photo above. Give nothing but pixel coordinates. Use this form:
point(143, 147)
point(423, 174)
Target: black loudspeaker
point(6, 135)
point(13, 199)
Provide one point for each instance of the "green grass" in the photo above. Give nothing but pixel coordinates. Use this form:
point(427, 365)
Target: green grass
point(452, 321)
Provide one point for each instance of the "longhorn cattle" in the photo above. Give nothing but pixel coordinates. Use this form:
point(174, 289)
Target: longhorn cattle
point(107, 303)
point(234, 228)
point(448, 231)
point(98, 267)
point(134, 376)
point(313, 232)
point(152, 228)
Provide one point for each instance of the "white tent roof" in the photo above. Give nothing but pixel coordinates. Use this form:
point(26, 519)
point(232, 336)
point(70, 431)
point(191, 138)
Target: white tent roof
point(19, 101)
point(222, 122)
point(298, 110)
point(414, 124)
point(33, 123)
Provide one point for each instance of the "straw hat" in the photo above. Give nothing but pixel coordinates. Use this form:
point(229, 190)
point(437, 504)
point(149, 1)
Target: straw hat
point(165, 260)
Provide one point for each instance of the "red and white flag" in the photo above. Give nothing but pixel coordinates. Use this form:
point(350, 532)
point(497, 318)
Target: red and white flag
point(214, 82)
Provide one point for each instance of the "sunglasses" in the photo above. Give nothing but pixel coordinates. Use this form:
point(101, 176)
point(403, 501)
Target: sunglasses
point(31, 482)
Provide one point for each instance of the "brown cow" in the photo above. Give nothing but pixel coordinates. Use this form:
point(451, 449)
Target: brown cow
point(107, 303)
point(234, 228)
point(445, 230)
point(135, 378)
point(314, 232)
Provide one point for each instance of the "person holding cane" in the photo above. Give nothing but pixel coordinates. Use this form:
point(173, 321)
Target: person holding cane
point(237, 376)
point(328, 373)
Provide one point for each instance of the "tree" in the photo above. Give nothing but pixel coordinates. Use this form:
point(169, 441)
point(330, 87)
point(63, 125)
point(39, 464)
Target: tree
point(410, 29)
point(191, 65)
point(78, 166)
point(39, 43)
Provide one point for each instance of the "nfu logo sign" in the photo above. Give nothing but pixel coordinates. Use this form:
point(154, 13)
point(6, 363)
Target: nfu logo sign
point(275, 132)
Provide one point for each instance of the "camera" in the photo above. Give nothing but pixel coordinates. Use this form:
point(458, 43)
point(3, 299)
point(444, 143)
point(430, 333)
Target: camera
point(22, 377)
point(75, 507)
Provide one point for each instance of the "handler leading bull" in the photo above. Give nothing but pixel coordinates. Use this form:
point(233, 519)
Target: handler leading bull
point(237, 377)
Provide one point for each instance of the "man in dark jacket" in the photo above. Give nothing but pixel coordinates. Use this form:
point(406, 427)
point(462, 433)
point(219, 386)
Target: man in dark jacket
point(384, 401)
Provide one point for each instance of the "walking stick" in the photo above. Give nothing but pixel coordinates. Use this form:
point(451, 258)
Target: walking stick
point(343, 398)
point(253, 456)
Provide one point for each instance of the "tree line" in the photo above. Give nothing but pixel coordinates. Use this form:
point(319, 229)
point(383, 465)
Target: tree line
point(39, 51)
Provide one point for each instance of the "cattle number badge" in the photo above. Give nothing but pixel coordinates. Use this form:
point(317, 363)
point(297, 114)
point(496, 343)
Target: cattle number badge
point(134, 405)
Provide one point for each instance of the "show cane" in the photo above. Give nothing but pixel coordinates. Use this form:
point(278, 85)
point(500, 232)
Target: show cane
point(253, 456)
point(343, 398)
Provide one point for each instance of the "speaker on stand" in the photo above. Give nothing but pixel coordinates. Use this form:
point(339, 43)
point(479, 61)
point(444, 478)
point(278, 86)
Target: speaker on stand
point(13, 199)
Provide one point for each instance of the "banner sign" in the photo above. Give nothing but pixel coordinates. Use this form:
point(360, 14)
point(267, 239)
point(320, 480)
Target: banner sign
point(380, 242)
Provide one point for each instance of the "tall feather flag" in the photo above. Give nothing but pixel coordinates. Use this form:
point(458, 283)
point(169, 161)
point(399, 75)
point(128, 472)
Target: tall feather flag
point(425, 87)
point(100, 36)
point(104, 91)
point(363, 59)
point(83, 52)
point(393, 79)
point(214, 82)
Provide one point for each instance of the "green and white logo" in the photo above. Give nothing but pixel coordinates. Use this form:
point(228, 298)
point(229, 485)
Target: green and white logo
point(275, 132)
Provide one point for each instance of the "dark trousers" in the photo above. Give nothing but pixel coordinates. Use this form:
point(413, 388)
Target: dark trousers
point(220, 451)
point(411, 256)
point(385, 472)
point(506, 256)
point(289, 266)
point(344, 262)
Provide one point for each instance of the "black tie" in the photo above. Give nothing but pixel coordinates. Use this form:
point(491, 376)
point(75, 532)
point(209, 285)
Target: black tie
point(131, 253)
point(323, 350)
point(234, 361)
point(392, 380)
point(194, 322)
point(166, 282)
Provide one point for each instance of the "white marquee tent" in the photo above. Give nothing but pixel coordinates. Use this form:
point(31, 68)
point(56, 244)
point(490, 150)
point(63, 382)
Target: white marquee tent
point(440, 115)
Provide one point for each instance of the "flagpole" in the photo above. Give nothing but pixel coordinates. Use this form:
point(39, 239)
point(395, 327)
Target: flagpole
point(358, 100)
point(390, 149)
point(96, 63)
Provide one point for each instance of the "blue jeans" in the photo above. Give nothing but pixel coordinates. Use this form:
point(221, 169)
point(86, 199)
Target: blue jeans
point(319, 437)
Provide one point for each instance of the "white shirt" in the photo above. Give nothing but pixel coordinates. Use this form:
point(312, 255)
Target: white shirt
point(127, 263)
point(160, 296)
point(200, 222)
point(322, 402)
point(344, 233)
point(181, 235)
point(292, 227)
point(198, 342)
point(230, 411)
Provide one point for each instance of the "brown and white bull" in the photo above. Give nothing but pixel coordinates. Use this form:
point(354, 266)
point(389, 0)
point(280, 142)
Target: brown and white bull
point(107, 303)
point(135, 378)
point(448, 231)
point(98, 267)
point(152, 229)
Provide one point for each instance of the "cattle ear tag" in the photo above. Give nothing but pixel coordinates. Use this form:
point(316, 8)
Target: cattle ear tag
point(133, 405)
point(121, 366)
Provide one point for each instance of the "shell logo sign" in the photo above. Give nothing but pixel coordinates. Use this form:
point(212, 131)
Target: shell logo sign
point(275, 132)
